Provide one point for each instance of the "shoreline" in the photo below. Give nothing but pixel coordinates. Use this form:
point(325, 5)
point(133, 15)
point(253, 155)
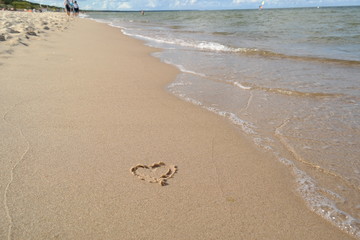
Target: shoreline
point(92, 107)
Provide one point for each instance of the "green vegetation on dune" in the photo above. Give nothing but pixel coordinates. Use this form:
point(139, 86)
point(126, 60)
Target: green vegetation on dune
point(19, 5)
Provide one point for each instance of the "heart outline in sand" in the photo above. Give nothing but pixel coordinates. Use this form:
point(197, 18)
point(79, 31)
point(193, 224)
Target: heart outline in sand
point(161, 179)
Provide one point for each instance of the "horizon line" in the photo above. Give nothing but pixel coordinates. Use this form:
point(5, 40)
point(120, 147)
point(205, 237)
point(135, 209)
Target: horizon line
point(225, 9)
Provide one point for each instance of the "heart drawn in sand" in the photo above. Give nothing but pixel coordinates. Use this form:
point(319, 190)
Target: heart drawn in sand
point(155, 173)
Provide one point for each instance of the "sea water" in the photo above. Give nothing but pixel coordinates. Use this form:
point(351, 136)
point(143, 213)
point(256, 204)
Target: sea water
point(289, 79)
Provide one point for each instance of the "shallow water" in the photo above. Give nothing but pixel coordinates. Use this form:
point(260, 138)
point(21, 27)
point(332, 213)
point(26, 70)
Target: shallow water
point(288, 78)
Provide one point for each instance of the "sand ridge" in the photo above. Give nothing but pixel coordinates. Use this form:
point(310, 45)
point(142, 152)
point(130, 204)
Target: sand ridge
point(12, 170)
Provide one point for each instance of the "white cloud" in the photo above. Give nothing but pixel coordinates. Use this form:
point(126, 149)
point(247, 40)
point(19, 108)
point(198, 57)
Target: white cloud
point(152, 4)
point(124, 5)
point(184, 2)
point(244, 1)
point(104, 4)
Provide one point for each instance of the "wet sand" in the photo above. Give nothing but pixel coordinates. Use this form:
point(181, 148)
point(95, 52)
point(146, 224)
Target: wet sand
point(85, 116)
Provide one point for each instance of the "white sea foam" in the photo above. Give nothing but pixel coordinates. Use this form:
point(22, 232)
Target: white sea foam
point(184, 70)
point(247, 127)
point(202, 45)
point(191, 100)
point(83, 15)
point(320, 204)
point(176, 84)
point(324, 206)
point(237, 84)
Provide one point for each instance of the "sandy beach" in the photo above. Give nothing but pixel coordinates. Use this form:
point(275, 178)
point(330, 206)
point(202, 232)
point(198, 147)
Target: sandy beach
point(18, 28)
point(85, 119)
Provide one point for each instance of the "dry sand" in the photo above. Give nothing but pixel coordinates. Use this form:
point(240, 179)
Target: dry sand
point(18, 28)
point(81, 107)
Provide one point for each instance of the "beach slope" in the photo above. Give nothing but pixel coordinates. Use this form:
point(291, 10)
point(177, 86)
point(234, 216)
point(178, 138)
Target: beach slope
point(83, 106)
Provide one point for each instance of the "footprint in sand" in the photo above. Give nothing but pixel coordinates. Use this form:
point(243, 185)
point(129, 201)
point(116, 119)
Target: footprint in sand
point(155, 173)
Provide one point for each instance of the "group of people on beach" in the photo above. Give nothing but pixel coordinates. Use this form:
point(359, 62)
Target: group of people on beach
point(71, 6)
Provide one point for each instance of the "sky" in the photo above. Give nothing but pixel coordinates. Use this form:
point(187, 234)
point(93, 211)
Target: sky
point(135, 5)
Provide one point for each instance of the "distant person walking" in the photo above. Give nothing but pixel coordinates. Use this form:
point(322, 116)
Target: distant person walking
point(67, 7)
point(76, 8)
point(72, 7)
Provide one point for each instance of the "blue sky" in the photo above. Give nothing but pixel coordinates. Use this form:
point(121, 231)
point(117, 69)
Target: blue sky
point(128, 5)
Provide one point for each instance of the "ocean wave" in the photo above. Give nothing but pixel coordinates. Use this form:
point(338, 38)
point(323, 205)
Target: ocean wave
point(247, 127)
point(213, 46)
point(219, 47)
point(320, 204)
point(320, 200)
point(239, 85)
point(265, 53)
point(223, 33)
point(184, 70)
point(202, 45)
point(284, 91)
